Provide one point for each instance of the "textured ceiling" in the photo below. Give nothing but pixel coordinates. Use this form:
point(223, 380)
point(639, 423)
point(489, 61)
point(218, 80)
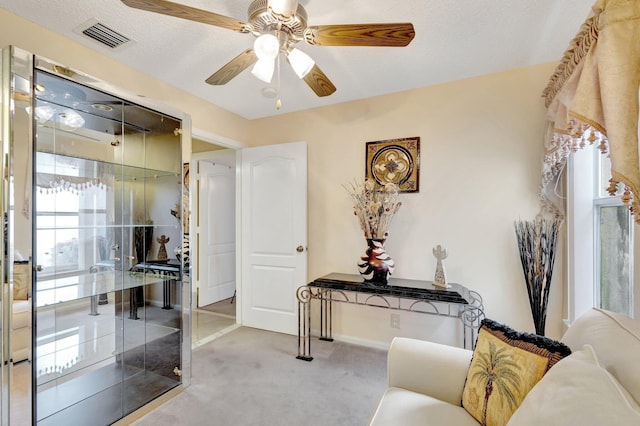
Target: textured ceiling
point(454, 40)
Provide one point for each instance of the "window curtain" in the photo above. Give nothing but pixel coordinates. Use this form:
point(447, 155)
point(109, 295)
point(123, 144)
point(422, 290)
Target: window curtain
point(592, 97)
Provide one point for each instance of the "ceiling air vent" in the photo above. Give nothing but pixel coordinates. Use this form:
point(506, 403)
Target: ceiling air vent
point(104, 35)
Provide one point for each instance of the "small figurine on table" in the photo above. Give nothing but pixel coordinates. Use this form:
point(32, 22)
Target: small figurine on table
point(162, 251)
point(440, 280)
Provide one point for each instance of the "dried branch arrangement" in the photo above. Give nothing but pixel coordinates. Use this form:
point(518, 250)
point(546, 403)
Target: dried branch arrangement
point(537, 242)
point(374, 206)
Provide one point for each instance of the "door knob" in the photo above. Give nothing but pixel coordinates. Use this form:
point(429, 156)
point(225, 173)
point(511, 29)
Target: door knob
point(299, 249)
point(37, 268)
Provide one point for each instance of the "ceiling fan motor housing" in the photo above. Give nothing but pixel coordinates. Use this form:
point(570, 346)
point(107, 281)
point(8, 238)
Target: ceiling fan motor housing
point(262, 20)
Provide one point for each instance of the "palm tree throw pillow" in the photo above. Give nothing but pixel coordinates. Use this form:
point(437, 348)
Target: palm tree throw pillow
point(505, 366)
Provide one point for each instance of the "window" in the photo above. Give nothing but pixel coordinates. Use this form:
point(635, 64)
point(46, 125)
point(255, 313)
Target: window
point(57, 248)
point(614, 248)
point(601, 240)
point(68, 220)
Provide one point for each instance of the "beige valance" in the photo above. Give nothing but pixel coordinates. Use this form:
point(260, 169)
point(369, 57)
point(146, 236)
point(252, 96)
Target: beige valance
point(592, 97)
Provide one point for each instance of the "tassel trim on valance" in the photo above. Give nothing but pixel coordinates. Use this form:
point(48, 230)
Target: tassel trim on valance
point(51, 184)
point(575, 53)
point(578, 135)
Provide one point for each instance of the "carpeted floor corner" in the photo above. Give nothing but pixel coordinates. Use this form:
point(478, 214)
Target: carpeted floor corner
point(252, 377)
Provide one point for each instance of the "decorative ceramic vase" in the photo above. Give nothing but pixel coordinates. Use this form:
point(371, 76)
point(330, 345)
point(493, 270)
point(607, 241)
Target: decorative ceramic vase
point(376, 265)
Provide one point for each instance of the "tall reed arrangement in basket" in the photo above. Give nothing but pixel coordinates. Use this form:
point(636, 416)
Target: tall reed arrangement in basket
point(537, 241)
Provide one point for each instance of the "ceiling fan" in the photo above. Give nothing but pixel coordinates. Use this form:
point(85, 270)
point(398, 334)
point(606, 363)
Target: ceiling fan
point(278, 26)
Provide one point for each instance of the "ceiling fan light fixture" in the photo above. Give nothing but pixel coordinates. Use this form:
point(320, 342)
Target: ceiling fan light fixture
point(44, 112)
point(263, 70)
point(301, 63)
point(266, 46)
point(286, 8)
point(71, 120)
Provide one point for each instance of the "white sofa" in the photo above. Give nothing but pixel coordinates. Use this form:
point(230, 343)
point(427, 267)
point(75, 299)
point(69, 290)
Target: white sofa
point(21, 330)
point(598, 384)
point(20, 315)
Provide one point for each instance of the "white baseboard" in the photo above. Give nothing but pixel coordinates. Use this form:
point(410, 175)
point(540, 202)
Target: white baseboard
point(210, 338)
point(375, 344)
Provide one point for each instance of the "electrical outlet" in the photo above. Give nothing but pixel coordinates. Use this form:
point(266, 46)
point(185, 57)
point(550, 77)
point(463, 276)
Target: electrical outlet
point(395, 321)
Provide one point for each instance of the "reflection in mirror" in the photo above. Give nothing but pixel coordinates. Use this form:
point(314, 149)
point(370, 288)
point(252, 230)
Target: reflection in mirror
point(108, 332)
point(89, 184)
point(15, 105)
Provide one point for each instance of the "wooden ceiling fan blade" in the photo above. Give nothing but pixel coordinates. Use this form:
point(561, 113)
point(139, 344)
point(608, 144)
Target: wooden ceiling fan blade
point(186, 12)
point(319, 82)
point(383, 35)
point(233, 68)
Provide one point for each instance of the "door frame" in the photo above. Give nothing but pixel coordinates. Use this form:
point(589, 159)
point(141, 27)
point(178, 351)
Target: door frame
point(226, 143)
point(226, 158)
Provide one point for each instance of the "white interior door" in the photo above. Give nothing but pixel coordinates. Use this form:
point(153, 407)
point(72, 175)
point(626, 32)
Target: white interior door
point(216, 212)
point(274, 234)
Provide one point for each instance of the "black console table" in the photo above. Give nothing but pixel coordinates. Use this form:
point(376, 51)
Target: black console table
point(422, 296)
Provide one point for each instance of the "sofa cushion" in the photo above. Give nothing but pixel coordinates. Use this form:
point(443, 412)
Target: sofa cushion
point(21, 281)
point(615, 338)
point(21, 314)
point(428, 368)
point(20, 344)
point(505, 366)
point(403, 407)
point(577, 391)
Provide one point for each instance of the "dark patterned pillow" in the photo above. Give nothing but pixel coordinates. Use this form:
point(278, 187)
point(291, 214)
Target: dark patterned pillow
point(505, 366)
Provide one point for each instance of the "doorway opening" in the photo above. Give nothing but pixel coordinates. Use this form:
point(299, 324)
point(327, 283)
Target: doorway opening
point(214, 269)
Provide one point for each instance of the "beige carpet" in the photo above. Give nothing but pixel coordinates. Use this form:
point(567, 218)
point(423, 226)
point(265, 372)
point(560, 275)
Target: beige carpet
point(251, 377)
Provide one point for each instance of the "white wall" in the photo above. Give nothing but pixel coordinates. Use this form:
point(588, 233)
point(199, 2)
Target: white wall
point(481, 153)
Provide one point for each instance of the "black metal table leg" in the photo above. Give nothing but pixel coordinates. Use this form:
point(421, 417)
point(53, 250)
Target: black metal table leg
point(304, 323)
point(166, 294)
point(133, 304)
point(325, 316)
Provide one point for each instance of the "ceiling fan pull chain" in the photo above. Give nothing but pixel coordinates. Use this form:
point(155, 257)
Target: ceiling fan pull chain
point(278, 102)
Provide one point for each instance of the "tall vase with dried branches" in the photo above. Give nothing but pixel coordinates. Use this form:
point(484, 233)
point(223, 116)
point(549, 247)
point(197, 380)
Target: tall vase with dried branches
point(375, 208)
point(537, 241)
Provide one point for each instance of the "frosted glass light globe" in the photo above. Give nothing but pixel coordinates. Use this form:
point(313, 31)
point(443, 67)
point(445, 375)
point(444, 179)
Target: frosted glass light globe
point(266, 46)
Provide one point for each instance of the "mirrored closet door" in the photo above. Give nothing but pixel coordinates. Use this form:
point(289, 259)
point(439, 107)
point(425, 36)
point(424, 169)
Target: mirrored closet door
point(94, 222)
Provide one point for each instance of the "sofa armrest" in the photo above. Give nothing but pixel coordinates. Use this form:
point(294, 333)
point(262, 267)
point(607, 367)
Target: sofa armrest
point(428, 368)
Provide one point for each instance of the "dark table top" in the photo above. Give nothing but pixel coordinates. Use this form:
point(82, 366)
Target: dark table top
point(160, 266)
point(399, 287)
